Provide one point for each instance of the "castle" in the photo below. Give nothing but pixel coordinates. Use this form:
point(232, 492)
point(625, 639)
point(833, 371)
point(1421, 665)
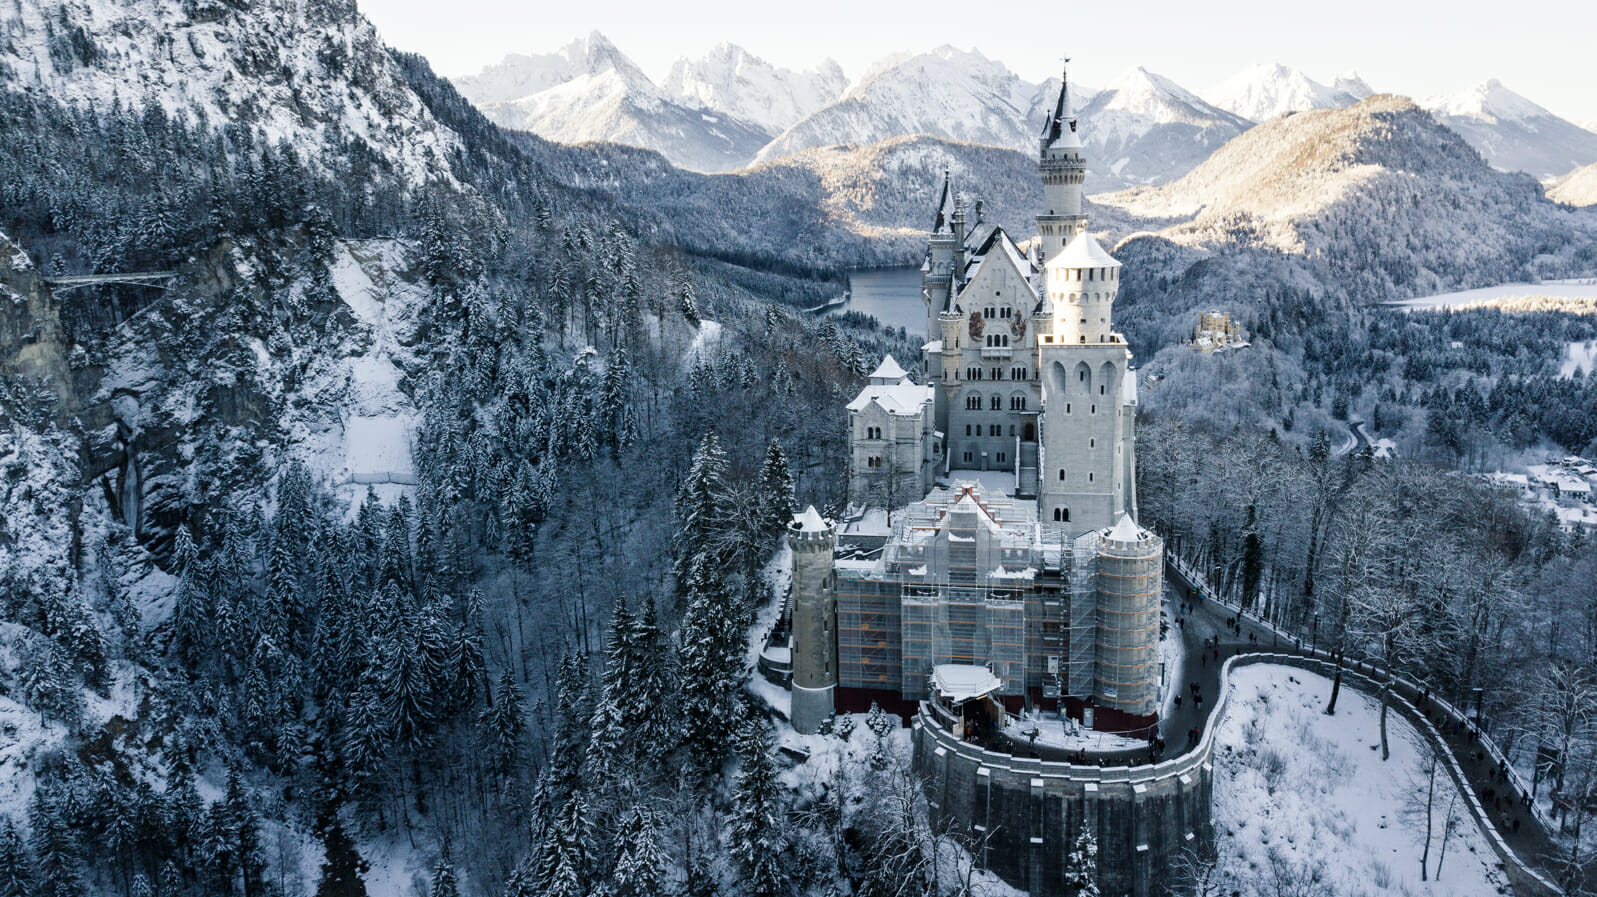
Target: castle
point(992, 517)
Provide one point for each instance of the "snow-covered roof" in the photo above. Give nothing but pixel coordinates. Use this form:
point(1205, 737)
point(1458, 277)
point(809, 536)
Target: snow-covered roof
point(888, 371)
point(960, 682)
point(934, 346)
point(1126, 530)
point(1083, 252)
point(810, 521)
point(902, 397)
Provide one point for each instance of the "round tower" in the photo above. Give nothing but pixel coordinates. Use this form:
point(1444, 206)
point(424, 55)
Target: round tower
point(1130, 582)
point(813, 539)
point(1082, 280)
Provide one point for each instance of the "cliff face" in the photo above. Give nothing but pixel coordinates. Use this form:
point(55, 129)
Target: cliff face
point(34, 357)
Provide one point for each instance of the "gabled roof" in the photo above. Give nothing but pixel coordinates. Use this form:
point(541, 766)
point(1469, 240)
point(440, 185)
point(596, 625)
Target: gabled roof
point(903, 397)
point(1083, 252)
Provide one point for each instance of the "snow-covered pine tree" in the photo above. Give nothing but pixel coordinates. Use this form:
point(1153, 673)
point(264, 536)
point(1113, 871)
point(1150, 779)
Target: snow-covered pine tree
point(777, 500)
point(503, 725)
point(700, 509)
point(688, 303)
point(1081, 867)
point(564, 870)
point(615, 402)
point(191, 612)
point(18, 876)
point(654, 686)
point(755, 837)
point(712, 666)
point(564, 772)
point(641, 868)
point(609, 753)
point(444, 883)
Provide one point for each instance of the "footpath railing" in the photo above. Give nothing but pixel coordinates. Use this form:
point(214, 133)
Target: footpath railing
point(1408, 696)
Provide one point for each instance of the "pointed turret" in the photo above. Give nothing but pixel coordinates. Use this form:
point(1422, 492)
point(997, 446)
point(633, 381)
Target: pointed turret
point(1061, 126)
point(942, 207)
point(1063, 168)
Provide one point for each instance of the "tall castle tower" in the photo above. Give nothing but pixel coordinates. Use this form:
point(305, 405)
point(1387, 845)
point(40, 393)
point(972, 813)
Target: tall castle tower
point(1089, 396)
point(813, 540)
point(1063, 168)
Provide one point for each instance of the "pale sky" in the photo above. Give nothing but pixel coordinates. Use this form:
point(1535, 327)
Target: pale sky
point(1543, 49)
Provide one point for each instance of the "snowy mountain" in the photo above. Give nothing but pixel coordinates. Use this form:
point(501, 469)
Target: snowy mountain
point(1578, 188)
point(318, 78)
point(1146, 129)
point(590, 91)
point(1513, 133)
point(1325, 191)
point(950, 93)
point(730, 80)
point(1262, 92)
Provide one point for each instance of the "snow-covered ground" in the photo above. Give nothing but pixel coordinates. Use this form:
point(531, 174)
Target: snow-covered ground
point(362, 434)
point(1299, 793)
point(1065, 734)
point(1580, 357)
point(704, 341)
point(1501, 292)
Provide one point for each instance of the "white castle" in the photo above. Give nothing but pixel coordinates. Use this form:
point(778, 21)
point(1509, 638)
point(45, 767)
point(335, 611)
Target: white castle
point(993, 506)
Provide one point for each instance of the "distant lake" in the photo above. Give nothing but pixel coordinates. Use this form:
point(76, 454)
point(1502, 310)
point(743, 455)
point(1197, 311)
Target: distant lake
point(890, 295)
point(1505, 291)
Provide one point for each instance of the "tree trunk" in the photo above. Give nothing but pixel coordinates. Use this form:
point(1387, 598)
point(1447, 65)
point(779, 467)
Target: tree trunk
point(1336, 684)
point(1386, 751)
point(1430, 802)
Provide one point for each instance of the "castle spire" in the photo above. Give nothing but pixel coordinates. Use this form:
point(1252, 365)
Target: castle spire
point(1063, 121)
point(942, 206)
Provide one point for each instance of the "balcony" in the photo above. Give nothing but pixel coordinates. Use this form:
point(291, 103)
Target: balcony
point(997, 352)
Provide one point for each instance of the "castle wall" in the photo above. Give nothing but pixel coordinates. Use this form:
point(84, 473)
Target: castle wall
point(1024, 815)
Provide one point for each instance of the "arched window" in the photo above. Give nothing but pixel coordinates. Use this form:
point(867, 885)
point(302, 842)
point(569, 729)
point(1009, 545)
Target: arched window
point(1056, 515)
point(1067, 514)
point(996, 403)
point(1061, 474)
point(995, 430)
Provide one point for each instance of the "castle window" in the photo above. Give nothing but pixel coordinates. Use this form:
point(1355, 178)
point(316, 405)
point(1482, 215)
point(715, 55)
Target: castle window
point(1092, 443)
point(968, 457)
point(1061, 474)
point(1089, 477)
point(1056, 515)
point(1082, 376)
point(1100, 389)
point(1093, 410)
point(1000, 457)
point(1067, 514)
point(973, 403)
point(995, 430)
point(996, 403)
point(1067, 407)
point(998, 373)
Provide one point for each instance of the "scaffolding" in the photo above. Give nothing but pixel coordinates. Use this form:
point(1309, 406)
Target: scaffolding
point(967, 578)
point(1130, 581)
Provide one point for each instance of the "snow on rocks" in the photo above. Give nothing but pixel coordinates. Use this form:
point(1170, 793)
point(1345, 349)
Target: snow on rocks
point(1299, 793)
